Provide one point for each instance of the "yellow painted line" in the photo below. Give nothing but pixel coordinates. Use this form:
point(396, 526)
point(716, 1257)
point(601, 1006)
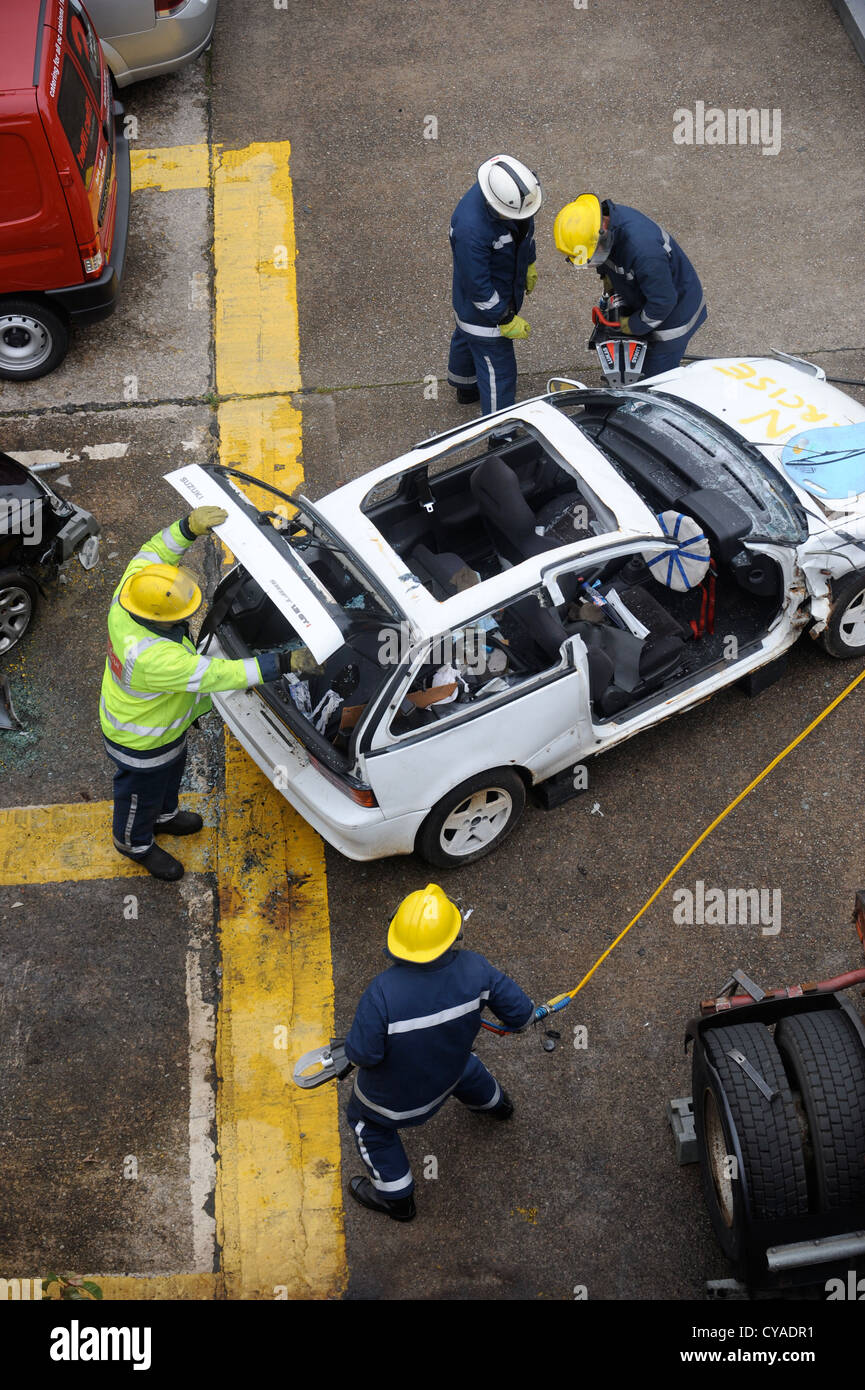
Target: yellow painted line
point(279, 1202)
point(60, 844)
point(254, 250)
point(177, 166)
point(279, 1198)
point(132, 1287)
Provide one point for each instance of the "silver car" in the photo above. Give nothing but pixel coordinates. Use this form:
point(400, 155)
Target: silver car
point(146, 38)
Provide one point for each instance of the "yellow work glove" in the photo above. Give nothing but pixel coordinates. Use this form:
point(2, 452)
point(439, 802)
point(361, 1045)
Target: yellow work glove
point(625, 323)
point(531, 277)
point(203, 519)
point(607, 284)
point(515, 328)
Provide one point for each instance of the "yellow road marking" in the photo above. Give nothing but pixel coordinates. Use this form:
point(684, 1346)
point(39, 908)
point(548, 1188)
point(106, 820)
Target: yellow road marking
point(178, 166)
point(279, 1206)
point(61, 844)
point(257, 347)
point(278, 1199)
point(155, 1286)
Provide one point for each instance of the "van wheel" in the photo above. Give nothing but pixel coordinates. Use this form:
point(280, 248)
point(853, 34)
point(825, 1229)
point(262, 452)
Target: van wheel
point(33, 339)
point(18, 599)
point(473, 819)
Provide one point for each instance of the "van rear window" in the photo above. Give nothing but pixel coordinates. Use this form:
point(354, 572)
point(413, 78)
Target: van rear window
point(83, 40)
point(80, 123)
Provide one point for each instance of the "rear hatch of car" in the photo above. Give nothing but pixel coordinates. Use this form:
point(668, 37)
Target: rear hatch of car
point(297, 587)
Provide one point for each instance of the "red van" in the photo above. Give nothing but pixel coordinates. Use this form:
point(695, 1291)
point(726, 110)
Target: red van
point(64, 183)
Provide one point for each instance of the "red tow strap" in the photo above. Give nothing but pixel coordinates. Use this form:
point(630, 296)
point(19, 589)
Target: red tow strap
point(705, 624)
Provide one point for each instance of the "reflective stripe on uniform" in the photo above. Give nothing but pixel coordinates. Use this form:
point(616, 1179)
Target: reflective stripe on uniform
point(494, 402)
point(502, 241)
point(663, 334)
point(462, 380)
point(129, 759)
point(198, 674)
point(176, 547)
point(131, 657)
point(488, 303)
point(252, 670)
point(403, 1114)
point(490, 1104)
point(477, 330)
point(143, 730)
point(409, 1025)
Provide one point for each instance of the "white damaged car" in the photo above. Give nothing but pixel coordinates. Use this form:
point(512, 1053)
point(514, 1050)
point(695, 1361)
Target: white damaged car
point(480, 616)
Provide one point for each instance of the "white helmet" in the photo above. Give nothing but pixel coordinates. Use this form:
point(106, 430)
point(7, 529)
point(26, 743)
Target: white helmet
point(509, 187)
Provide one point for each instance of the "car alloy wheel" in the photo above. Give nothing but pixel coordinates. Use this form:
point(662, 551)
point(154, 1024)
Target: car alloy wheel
point(477, 822)
point(16, 612)
point(851, 624)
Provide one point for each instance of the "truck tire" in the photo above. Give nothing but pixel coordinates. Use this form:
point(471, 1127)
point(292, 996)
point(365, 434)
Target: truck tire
point(844, 634)
point(33, 339)
point(768, 1132)
point(825, 1061)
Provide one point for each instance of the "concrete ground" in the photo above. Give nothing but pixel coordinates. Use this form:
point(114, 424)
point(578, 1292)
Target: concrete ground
point(581, 1189)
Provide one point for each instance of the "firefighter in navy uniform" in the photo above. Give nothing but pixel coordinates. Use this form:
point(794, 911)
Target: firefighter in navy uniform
point(637, 260)
point(492, 237)
point(412, 1038)
point(156, 685)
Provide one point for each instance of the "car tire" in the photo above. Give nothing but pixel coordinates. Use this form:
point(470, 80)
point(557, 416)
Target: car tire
point(18, 599)
point(33, 339)
point(844, 634)
point(473, 819)
point(768, 1132)
point(825, 1061)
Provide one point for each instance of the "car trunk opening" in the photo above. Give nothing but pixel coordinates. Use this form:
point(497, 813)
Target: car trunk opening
point(298, 589)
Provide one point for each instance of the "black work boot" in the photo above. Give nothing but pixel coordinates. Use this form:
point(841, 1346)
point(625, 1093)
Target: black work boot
point(181, 823)
point(157, 863)
point(504, 1110)
point(362, 1190)
point(467, 395)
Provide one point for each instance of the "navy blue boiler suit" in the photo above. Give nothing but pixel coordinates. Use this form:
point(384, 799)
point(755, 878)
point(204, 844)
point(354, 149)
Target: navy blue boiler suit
point(411, 1041)
point(491, 257)
point(660, 287)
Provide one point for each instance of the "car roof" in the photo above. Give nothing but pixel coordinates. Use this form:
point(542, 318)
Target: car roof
point(19, 27)
point(343, 511)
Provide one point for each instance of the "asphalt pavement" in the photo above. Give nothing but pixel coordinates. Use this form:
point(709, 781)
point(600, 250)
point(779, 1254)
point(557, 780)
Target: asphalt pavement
point(581, 1190)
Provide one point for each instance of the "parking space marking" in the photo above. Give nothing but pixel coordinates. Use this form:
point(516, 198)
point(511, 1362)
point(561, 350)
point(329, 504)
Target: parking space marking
point(257, 346)
point(175, 167)
point(70, 843)
point(278, 1186)
point(279, 1198)
point(279, 1206)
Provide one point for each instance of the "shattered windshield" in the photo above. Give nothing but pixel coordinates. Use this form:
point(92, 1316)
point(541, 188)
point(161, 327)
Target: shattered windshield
point(695, 446)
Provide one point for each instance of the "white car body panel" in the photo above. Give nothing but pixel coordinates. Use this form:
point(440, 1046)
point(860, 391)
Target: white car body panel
point(547, 723)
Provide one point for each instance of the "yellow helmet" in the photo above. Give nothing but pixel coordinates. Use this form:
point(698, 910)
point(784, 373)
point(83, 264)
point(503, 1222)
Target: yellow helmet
point(577, 228)
point(426, 923)
point(161, 593)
